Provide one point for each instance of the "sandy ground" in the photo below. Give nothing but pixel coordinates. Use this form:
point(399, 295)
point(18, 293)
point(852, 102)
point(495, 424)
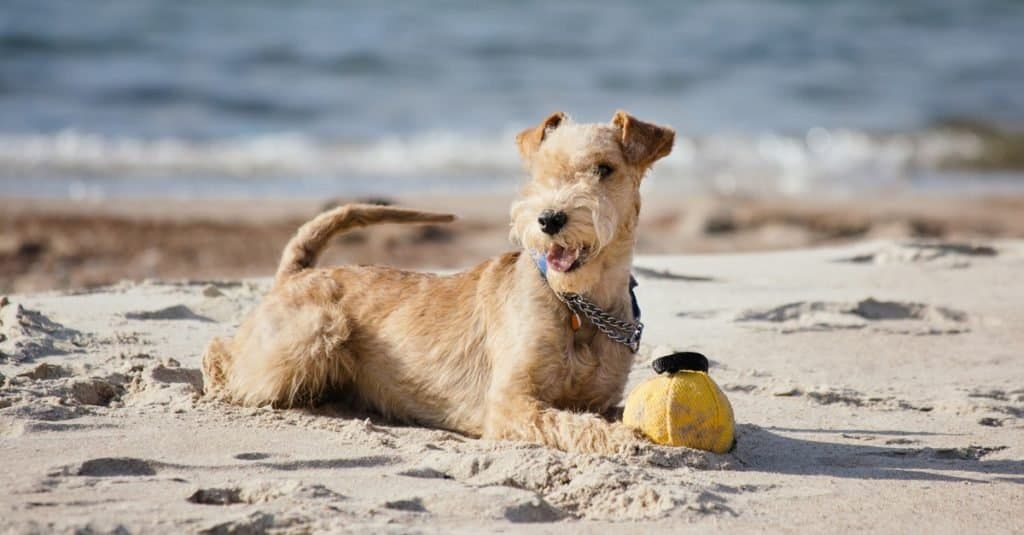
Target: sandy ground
point(877, 388)
point(58, 244)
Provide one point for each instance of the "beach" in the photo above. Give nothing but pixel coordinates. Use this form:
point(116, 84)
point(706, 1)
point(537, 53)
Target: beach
point(874, 385)
point(839, 228)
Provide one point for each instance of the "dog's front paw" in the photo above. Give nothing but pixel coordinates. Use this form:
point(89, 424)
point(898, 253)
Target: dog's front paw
point(626, 441)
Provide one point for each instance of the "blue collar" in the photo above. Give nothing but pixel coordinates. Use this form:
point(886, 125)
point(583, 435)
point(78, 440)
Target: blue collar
point(542, 266)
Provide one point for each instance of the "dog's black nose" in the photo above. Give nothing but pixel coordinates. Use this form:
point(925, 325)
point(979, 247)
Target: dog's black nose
point(551, 221)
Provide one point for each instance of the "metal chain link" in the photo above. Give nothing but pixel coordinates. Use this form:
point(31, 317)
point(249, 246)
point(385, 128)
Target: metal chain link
point(626, 333)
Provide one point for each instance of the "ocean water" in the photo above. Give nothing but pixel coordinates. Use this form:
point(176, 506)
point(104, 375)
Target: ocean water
point(109, 98)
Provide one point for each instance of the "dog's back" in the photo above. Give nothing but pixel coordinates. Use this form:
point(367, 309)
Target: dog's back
point(269, 323)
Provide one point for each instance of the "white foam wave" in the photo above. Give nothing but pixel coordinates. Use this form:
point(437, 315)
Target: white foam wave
point(820, 160)
point(73, 151)
point(729, 163)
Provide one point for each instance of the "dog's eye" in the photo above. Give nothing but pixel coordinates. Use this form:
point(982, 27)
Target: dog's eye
point(604, 170)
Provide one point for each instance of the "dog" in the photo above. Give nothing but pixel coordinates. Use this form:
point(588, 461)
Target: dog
point(502, 351)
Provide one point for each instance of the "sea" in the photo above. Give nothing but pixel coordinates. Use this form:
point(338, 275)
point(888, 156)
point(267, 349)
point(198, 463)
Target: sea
point(308, 98)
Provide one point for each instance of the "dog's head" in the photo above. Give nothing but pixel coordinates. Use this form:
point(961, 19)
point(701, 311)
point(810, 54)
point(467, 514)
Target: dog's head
point(580, 208)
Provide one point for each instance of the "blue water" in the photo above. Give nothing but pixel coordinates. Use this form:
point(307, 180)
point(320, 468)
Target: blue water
point(262, 97)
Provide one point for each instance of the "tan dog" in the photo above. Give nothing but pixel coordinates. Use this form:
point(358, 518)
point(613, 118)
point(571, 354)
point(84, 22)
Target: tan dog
point(491, 352)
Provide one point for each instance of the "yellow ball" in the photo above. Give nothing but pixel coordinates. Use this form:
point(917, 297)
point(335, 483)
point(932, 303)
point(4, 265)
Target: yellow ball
point(682, 407)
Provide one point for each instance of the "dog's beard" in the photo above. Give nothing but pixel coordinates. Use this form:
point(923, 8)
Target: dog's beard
point(590, 225)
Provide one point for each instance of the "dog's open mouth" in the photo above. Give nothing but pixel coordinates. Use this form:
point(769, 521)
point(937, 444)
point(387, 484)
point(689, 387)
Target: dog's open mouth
point(564, 260)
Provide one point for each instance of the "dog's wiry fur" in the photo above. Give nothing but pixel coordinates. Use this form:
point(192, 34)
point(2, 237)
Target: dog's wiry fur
point(487, 352)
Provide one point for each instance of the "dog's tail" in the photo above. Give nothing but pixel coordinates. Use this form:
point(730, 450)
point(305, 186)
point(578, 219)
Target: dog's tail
point(304, 249)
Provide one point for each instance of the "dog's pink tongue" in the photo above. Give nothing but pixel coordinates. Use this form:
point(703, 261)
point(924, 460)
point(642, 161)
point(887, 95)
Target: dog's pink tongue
point(561, 259)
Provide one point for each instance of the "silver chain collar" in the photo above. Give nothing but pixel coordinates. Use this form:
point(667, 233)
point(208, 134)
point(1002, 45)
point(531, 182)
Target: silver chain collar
point(627, 333)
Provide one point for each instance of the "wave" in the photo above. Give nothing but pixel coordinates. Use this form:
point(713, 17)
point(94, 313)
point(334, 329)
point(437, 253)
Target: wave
point(172, 94)
point(819, 160)
point(37, 43)
point(71, 151)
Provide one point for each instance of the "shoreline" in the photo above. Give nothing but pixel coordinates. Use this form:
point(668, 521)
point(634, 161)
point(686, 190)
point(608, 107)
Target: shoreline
point(61, 244)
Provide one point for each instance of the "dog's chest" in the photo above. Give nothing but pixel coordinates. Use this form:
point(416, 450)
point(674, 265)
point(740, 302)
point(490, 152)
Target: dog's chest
point(595, 373)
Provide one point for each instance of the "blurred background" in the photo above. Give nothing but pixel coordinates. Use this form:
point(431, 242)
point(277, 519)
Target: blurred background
point(158, 138)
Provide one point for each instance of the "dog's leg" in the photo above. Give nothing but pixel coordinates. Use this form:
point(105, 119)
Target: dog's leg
point(290, 351)
point(515, 411)
point(531, 421)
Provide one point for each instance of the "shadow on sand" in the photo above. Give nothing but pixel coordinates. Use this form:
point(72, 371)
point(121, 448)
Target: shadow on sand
point(768, 450)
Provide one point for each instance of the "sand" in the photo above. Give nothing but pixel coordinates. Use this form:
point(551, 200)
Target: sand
point(877, 388)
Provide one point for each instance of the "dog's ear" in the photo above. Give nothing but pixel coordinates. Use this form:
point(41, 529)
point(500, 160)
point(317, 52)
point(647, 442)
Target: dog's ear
point(529, 140)
point(643, 143)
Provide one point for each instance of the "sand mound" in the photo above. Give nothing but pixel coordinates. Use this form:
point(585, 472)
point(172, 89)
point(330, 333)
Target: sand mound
point(582, 486)
point(176, 312)
point(27, 334)
point(55, 392)
point(888, 316)
point(260, 491)
point(949, 254)
point(166, 383)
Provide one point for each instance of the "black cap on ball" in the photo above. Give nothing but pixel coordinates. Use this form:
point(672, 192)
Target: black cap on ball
point(684, 360)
